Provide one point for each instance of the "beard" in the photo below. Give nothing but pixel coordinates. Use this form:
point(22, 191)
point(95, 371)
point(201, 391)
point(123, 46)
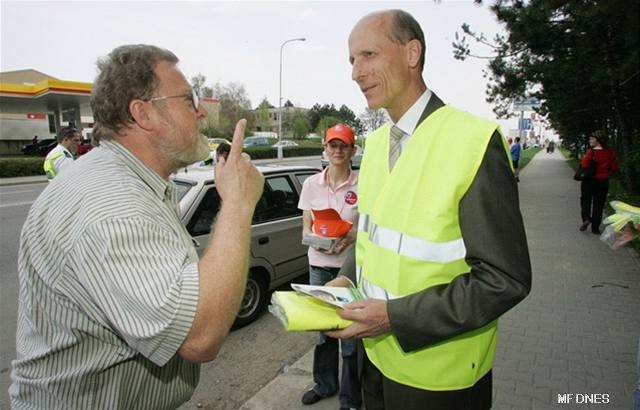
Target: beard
point(172, 147)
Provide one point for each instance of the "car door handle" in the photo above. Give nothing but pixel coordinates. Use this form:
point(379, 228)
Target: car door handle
point(263, 240)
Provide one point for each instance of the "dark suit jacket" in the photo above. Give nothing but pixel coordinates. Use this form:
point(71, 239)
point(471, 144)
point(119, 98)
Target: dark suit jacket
point(500, 275)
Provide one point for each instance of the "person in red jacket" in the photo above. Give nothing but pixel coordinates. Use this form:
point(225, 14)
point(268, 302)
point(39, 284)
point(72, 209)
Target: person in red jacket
point(593, 191)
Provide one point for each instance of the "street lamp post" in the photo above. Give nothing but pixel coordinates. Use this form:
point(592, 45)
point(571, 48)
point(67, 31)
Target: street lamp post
point(280, 96)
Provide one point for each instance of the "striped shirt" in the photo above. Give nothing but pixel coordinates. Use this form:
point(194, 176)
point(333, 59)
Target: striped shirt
point(108, 291)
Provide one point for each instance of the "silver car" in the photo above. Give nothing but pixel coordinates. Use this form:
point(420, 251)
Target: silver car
point(277, 255)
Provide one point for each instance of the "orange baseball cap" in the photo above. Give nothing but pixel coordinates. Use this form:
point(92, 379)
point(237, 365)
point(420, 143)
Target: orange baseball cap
point(341, 132)
point(327, 222)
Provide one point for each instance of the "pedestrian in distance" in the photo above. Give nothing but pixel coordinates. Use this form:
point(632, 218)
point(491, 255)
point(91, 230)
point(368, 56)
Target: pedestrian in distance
point(594, 189)
point(222, 151)
point(336, 188)
point(441, 251)
point(62, 156)
point(516, 150)
point(118, 311)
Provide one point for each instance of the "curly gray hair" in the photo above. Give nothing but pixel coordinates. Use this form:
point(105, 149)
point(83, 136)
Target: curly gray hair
point(127, 73)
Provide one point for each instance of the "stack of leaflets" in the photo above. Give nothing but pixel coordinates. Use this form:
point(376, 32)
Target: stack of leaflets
point(333, 295)
point(312, 307)
point(322, 242)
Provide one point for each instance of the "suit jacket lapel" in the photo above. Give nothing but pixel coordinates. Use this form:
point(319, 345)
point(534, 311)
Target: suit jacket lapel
point(434, 103)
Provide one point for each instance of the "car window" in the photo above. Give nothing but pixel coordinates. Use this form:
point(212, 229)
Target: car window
point(181, 189)
point(302, 177)
point(200, 223)
point(279, 200)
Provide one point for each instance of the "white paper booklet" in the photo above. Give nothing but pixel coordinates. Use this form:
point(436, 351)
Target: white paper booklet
point(334, 295)
point(322, 242)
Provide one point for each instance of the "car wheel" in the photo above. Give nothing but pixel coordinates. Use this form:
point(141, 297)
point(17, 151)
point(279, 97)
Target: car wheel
point(254, 299)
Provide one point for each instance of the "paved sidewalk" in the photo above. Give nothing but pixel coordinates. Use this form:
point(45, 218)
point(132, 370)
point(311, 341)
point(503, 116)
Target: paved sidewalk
point(576, 333)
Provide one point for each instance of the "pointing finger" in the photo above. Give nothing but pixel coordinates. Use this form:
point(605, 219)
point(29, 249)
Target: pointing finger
point(238, 139)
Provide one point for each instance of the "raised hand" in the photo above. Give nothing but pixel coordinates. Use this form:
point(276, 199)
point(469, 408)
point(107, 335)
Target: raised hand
point(237, 179)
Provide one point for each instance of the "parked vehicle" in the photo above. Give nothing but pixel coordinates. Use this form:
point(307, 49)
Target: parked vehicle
point(277, 255)
point(40, 148)
point(256, 142)
point(355, 160)
point(285, 143)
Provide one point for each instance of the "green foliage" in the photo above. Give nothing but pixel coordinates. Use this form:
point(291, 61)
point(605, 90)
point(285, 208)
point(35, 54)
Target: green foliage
point(344, 114)
point(325, 123)
point(21, 167)
point(270, 152)
point(300, 125)
point(580, 58)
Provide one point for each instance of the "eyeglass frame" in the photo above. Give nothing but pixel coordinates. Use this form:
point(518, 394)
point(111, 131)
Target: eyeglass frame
point(195, 98)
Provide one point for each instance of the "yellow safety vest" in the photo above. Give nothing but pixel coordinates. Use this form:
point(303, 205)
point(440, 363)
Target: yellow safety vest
point(409, 239)
point(49, 169)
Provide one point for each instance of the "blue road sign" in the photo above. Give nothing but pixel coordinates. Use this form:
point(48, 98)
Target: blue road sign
point(525, 124)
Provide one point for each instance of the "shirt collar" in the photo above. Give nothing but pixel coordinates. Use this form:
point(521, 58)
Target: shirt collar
point(409, 120)
point(65, 151)
point(162, 188)
point(352, 179)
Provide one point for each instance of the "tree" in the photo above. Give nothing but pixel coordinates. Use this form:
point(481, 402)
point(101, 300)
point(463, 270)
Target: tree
point(325, 123)
point(344, 114)
point(580, 58)
point(372, 119)
point(263, 120)
point(349, 118)
point(300, 126)
point(198, 84)
point(234, 105)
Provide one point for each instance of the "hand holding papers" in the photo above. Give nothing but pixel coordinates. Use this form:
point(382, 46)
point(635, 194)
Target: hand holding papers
point(312, 307)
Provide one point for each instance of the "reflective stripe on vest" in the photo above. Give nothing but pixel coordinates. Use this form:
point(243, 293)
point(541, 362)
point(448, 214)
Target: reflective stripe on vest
point(417, 248)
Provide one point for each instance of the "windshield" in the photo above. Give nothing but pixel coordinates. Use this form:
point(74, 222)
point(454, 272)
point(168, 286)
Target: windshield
point(182, 188)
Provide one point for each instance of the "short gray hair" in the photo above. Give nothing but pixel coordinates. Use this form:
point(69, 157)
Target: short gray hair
point(126, 74)
point(405, 28)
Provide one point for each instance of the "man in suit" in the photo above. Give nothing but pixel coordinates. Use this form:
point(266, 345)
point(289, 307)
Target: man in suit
point(441, 249)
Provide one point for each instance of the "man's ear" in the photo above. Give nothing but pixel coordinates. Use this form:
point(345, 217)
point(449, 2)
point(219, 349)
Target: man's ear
point(414, 51)
point(140, 112)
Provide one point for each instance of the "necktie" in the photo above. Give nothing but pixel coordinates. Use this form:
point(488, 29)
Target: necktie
point(394, 145)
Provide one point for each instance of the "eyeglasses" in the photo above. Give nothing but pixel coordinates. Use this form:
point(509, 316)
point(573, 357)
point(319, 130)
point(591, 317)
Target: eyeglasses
point(191, 96)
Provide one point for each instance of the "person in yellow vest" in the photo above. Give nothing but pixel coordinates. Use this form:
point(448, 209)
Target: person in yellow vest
point(63, 154)
point(441, 251)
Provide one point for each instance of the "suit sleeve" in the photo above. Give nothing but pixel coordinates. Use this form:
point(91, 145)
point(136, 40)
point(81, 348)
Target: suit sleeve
point(500, 275)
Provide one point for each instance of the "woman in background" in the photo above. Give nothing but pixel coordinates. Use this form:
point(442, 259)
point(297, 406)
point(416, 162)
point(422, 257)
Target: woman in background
point(593, 191)
point(336, 188)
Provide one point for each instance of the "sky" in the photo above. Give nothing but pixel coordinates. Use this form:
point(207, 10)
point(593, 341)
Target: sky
point(240, 42)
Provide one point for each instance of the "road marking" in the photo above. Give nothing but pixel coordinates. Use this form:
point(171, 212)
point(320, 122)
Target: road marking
point(16, 204)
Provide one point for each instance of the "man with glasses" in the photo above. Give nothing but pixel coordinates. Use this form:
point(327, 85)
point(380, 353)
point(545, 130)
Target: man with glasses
point(118, 312)
point(63, 154)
